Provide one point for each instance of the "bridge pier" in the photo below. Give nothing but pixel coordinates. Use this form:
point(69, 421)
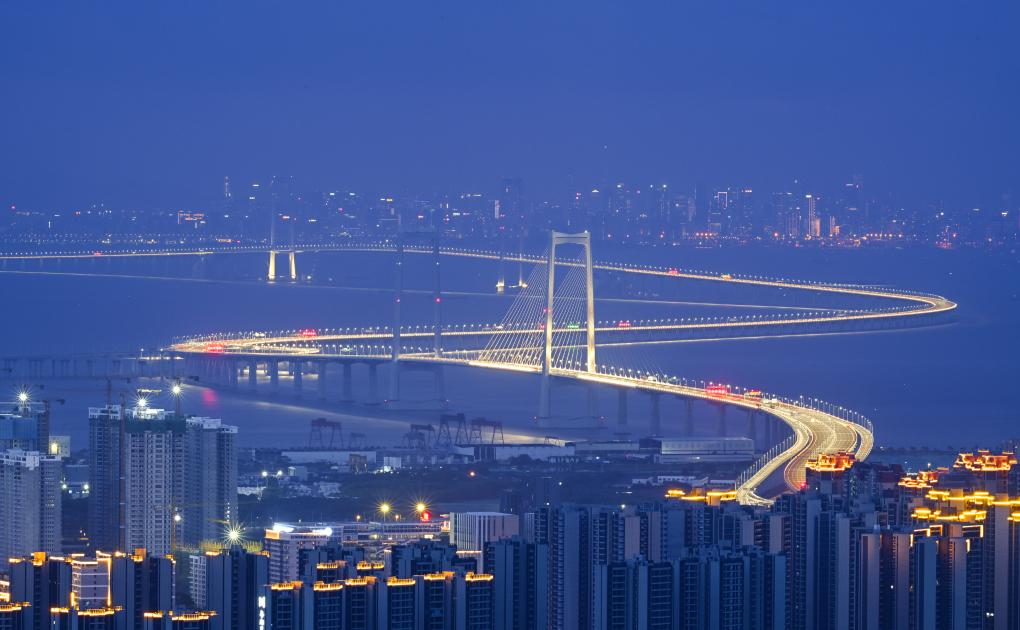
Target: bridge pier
point(752, 427)
point(373, 384)
point(438, 382)
point(689, 418)
point(323, 366)
point(295, 370)
point(656, 419)
point(395, 372)
point(722, 421)
point(273, 367)
point(253, 375)
point(347, 383)
point(621, 407)
point(231, 373)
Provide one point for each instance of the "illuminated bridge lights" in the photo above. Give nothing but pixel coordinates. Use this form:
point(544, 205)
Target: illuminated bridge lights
point(984, 461)
point(831, 462)
point(819, 428)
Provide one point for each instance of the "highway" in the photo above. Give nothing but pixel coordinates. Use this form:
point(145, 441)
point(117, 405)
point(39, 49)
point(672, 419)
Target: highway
point(817, 427)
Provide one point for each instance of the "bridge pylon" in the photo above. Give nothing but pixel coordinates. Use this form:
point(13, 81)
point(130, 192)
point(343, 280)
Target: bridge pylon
point(397, 367)
point(555, 239)
point(291, 261)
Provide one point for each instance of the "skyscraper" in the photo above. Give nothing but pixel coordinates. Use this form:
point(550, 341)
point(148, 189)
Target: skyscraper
point(29, 504)
point(521, 584)
point(210, 480)
point(180, 482)
point(469, 531)
point(104, 529)
point(233, 580)
point(154, 469)
point(43, 582)
point(141, 583)
point(285, 544)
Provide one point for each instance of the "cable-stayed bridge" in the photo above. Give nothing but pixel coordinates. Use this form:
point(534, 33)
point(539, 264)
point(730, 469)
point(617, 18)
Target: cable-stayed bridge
point(550, 330)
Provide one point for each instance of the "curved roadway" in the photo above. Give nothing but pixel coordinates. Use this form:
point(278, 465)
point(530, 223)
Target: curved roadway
point(817, 428)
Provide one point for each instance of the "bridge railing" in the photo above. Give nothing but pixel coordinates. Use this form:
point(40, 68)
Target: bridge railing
point(141, 248)
point(769, 455)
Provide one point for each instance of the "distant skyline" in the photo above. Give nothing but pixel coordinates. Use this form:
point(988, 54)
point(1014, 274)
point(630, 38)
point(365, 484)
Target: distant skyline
point(150, 105)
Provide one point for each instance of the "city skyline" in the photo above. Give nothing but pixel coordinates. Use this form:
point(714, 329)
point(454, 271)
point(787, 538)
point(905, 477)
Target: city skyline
point(525, 316)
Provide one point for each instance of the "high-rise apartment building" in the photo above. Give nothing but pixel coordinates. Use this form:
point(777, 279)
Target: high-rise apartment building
point(30, 508)
point(104, 516)
point(180, 483)
point(232, 580)
point(210, 480)
point(469, 531)
point(285, 544)
point(521, 583)
point(154, 471)
point(141, 583)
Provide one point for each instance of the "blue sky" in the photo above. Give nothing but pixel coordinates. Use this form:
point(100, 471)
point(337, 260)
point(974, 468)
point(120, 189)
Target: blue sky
point(152, 104)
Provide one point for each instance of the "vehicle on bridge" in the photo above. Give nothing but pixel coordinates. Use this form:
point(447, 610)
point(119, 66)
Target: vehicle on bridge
point(720, 391)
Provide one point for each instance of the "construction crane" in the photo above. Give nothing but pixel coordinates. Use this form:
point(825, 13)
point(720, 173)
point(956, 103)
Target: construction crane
point(420, 437)
point(478, 427)
point(317, 437)
point(446, 436)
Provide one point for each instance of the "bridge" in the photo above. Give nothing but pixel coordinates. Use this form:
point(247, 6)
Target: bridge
point(550, 331)
point(549, 342)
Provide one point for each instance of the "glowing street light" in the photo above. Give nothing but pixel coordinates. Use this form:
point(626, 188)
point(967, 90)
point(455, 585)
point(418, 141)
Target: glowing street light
point(384, 509)
point(23, 397)
point(176, 390)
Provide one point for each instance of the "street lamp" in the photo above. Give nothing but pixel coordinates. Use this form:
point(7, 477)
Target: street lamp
point(177, 390)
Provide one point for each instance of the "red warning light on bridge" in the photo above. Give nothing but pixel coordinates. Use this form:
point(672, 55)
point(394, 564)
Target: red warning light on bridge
point(673, 271)
point(425, 516)
point(309, 332)
point(215, 348)
point(623, 323)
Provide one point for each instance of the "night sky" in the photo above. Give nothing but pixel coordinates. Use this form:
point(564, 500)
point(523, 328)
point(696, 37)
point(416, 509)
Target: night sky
point(148, 104)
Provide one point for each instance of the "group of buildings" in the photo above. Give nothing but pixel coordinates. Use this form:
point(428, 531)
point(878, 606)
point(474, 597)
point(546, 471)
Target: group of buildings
point(613, 211)
point(159, 480)
point(862, 546)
